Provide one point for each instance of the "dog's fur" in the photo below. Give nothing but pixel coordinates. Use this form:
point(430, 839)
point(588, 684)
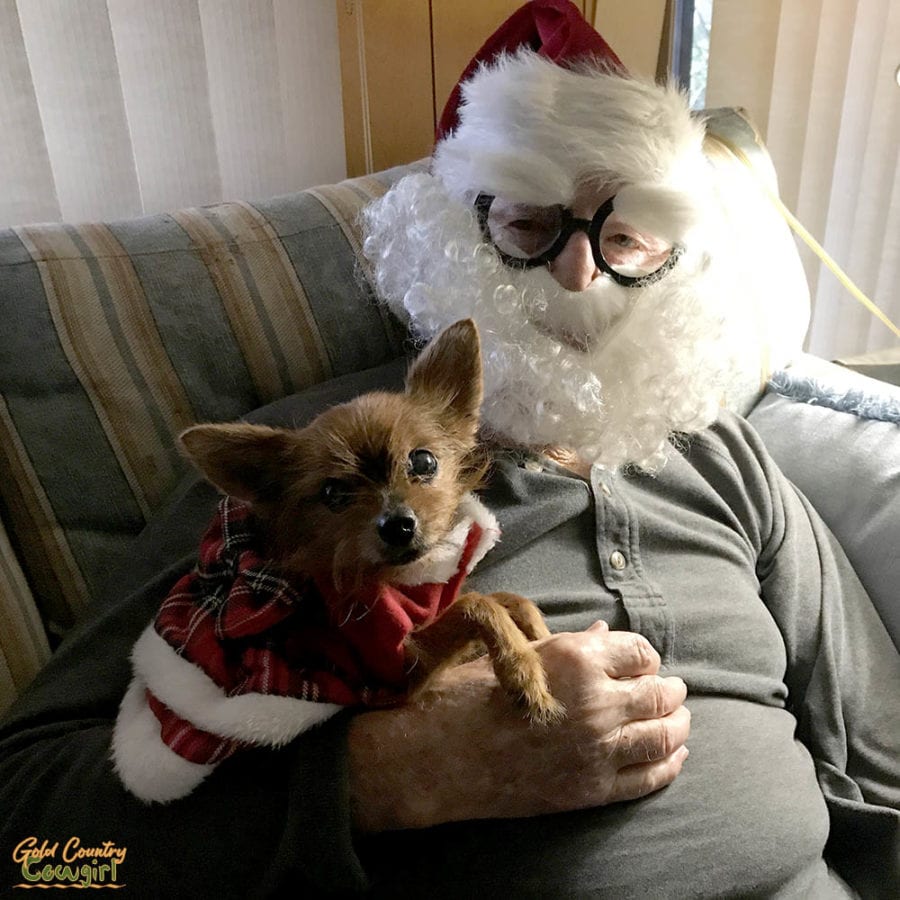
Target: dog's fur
point(324, 493)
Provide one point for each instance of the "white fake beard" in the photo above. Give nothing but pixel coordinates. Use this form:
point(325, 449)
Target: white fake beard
point(610, 373)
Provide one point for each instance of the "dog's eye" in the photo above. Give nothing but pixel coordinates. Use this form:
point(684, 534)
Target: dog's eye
point(422, 464)
point(335, 493)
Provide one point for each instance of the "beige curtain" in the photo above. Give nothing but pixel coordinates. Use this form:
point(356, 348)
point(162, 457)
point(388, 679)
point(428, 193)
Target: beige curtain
point(113, 108)
point(820, 79)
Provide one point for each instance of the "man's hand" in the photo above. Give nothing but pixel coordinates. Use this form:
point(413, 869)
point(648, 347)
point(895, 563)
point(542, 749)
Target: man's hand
point(464, 752)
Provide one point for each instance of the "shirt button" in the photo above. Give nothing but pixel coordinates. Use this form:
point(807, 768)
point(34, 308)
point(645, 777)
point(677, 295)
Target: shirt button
point(605, 488)
point(617, 560)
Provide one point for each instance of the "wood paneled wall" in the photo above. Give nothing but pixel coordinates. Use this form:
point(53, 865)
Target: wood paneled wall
point(399, 61)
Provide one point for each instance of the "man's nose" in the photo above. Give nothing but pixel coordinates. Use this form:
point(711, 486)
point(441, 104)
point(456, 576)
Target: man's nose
point(575, 268)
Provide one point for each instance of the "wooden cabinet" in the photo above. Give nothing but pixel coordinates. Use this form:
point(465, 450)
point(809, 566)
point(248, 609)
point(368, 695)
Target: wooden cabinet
point(399, 61)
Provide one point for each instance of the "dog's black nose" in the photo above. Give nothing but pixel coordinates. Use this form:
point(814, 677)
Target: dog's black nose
point(397, 528)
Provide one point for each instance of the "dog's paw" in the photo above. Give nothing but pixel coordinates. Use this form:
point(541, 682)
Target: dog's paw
point(526, 684)
point(544, 710)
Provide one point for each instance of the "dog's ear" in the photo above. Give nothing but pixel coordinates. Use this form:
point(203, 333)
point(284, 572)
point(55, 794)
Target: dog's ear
point(247, 462)
point(448, 373)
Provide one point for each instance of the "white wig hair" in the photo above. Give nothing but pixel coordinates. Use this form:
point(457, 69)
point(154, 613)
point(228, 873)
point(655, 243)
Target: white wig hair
point(610, 372)
point(530, 130)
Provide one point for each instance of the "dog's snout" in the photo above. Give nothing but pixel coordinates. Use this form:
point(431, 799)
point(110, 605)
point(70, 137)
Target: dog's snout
point(397, 528)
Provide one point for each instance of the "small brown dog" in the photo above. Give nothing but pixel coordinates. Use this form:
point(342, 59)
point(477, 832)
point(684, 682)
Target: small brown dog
point(330, 577)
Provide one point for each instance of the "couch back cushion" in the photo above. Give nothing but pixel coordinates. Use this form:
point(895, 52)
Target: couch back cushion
point(836, 434)
point(116, 336)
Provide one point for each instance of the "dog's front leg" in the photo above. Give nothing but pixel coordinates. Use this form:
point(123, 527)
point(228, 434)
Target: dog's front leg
point(524, 613)
point(476, 621)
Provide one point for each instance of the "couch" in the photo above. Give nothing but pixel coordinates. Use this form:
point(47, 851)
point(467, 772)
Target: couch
point(116, 336)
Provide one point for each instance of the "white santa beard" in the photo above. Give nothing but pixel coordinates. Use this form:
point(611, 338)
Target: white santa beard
point(656, 362)
point(587, 319)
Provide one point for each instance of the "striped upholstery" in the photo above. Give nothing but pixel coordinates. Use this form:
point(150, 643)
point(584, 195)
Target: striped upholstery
point(117, 336)
point(23, 643)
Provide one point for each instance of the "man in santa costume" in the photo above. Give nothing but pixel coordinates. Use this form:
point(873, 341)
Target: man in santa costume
point(626, 285)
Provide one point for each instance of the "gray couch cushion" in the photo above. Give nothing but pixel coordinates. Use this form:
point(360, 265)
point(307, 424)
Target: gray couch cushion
point(836, 435)
point(116, 336)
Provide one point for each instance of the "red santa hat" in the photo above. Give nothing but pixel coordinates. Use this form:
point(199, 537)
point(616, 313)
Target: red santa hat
point(554, 29)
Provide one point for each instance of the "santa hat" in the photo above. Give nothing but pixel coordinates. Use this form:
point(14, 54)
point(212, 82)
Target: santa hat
point(547, 104)
point(555, 29)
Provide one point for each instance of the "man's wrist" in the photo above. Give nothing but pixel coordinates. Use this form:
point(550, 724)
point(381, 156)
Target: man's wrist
point(409, 767)
point(384, 795)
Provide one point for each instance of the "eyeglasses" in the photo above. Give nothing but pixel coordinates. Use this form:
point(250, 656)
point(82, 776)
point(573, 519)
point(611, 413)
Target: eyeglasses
point(526, 236)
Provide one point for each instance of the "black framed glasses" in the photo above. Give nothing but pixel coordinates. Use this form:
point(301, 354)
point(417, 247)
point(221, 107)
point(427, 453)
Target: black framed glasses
point(526, 236)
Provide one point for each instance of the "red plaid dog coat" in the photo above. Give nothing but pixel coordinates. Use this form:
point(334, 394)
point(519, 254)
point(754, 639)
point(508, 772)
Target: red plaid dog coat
point(239, 655)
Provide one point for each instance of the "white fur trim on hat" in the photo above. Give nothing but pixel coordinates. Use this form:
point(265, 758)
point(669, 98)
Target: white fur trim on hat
point(659, 211)
point(532, 131)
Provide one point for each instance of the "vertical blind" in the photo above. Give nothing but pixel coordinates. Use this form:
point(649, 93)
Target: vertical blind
point(113, 108)
point(820, 79)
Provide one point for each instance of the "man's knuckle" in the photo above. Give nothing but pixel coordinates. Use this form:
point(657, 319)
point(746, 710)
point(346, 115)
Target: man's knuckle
point(650, 741)
point(668, 741)
point(569, 650)
point(657, 701)
point(640, 650)
point(649, 699)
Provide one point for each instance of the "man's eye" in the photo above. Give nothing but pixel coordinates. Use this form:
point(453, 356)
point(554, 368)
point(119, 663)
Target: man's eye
point(527, 225)
point(335, 493)
point(422, 464)
point(623, 240)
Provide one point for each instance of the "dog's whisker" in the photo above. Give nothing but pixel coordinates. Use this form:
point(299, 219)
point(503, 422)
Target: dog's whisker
point(365, 612)
point(349, 615)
